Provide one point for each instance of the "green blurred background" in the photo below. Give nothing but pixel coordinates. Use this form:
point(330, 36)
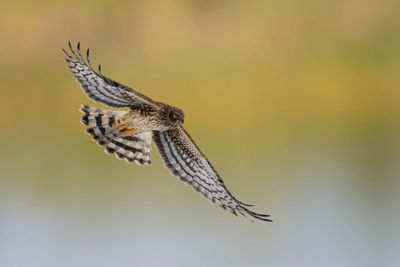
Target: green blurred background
point(296, 103)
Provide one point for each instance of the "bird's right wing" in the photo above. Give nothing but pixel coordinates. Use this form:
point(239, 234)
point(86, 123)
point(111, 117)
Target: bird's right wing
point(185, 160)
point(100, 88)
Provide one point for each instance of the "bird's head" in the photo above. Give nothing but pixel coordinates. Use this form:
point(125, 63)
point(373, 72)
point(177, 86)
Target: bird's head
point(175, 115)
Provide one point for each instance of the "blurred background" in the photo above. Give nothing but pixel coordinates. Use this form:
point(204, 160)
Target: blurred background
point(296, 103)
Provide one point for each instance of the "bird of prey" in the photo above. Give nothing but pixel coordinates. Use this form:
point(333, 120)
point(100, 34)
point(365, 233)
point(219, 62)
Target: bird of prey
point(128, 134)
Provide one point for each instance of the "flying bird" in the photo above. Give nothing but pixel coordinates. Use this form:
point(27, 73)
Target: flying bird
point(129, 134)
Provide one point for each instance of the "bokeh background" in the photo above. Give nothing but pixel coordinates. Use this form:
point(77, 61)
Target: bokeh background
point(296, 103)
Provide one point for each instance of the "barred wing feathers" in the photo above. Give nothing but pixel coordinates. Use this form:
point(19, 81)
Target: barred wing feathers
point(100, 88)
point(186, 161)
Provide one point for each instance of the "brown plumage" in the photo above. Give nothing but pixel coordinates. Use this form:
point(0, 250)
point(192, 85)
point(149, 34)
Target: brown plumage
point(128, 134)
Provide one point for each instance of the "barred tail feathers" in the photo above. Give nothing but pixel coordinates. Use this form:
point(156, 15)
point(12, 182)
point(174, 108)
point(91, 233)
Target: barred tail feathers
point(101, 126)
point(99, 123)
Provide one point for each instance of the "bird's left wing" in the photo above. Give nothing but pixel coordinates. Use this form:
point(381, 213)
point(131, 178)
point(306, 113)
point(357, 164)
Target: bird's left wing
point(187, 162)
point(101, 88)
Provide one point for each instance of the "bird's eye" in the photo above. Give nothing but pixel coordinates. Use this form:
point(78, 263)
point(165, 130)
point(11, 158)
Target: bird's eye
point(172, 116)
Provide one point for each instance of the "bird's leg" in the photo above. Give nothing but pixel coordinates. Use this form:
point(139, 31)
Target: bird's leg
point(124, 127)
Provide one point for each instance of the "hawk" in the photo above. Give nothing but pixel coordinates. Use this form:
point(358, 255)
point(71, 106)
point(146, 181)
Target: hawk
point(128, 134)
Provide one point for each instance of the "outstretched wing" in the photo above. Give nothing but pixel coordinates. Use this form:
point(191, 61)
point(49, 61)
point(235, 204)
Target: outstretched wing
point(100, 88)
point(186, 161)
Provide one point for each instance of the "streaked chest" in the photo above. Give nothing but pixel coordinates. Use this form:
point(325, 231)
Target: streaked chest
point(146, 121)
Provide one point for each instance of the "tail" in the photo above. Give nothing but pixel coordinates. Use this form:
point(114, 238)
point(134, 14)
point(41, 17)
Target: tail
point(101, 126)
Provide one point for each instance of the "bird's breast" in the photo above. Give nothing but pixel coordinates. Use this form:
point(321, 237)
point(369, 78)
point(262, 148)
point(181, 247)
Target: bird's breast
point(147, 121)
